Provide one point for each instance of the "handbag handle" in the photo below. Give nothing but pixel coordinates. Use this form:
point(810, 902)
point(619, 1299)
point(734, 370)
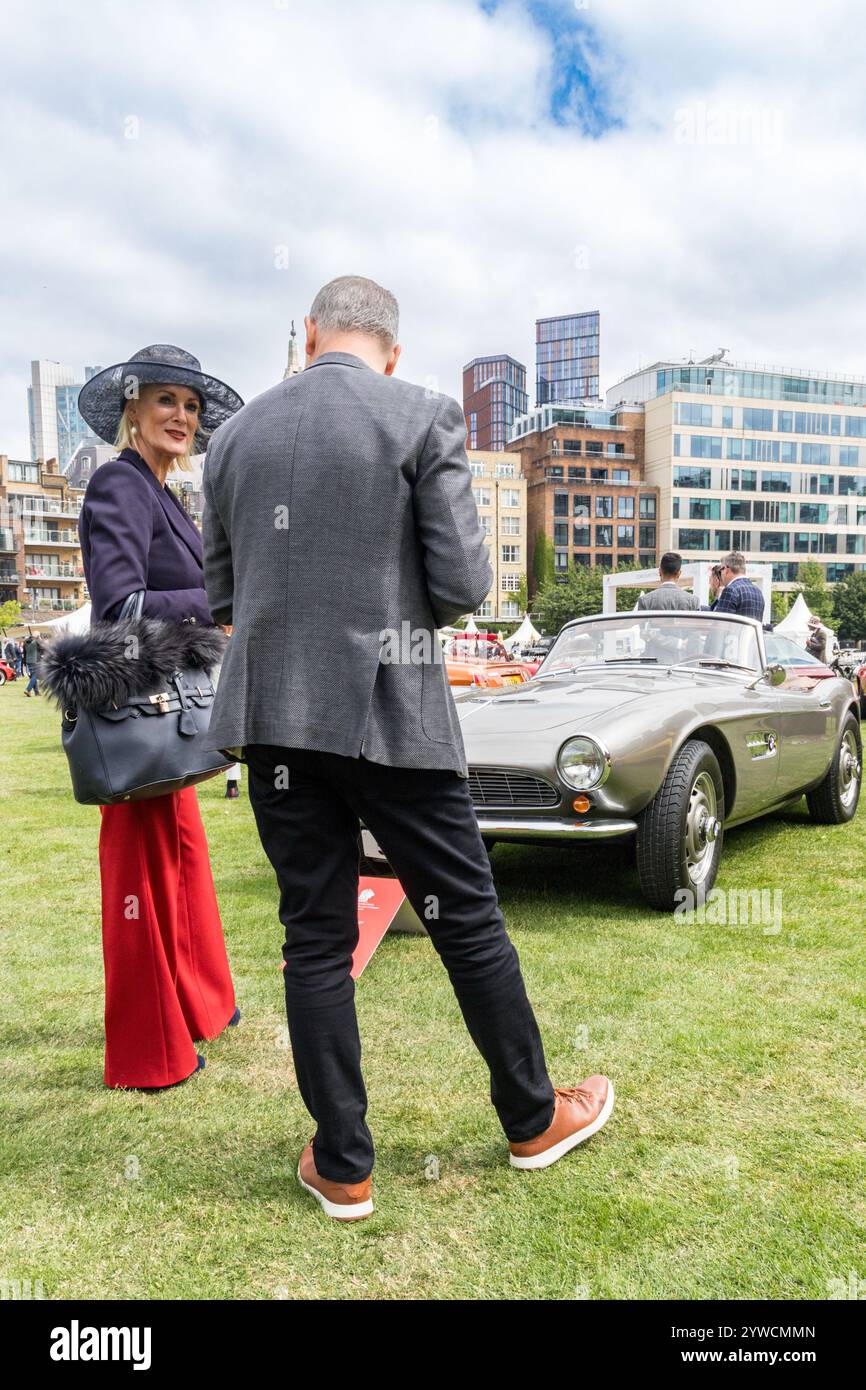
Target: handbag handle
point(132, 605)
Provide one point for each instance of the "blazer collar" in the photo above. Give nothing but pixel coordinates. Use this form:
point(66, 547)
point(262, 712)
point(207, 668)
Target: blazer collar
point(342, 359)
point(180, 523)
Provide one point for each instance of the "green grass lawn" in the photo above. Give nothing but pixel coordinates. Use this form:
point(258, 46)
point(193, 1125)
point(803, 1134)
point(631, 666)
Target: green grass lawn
point(733, 1166)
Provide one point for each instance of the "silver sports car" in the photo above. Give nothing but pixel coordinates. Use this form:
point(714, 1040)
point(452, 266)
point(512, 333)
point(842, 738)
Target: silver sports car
point(670, 727)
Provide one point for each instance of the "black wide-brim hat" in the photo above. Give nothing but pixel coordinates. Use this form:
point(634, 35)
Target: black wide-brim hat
point(103, 398)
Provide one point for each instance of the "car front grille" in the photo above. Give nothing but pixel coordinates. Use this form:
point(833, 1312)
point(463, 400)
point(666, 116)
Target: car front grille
point(503, 787)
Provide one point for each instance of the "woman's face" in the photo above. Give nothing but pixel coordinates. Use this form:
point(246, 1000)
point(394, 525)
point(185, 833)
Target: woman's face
point(166, 419)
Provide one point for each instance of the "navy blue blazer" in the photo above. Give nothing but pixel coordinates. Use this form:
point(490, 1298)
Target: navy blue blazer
point(741, 597)
point(135, 534)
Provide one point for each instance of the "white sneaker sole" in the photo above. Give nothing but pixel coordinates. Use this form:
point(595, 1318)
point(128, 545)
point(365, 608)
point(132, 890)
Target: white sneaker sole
point(548, 1156)
point(336, 1210)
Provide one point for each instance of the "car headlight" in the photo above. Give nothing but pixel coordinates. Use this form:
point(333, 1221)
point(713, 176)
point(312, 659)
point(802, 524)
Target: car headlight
point(583, 763)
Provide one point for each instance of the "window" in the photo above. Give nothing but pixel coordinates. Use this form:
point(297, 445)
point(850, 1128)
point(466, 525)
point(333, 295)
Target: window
point(510, 554)
point(509, 496)
point(776, 481)
point(685, 413)
point(727, 417)
point(851, 486)
point(814, 513)
point(816, 454)
point(560, 504)
point(738, 511)
point(604, 506)
point(594, 446)
point(580, 535)
point(722, 541)
point(482, 496)
point(773, 511)
point(625, 507)
point(571, 446)
point(510, 583)
point(560, 533)
point(582, 504)
point(582, 561)
point(560, 560)
point(744, 480)
point(705, 446)
point(620, 475)
point(693, 538)
point(625, 535)
point(676, 446)
point(510, 609)
point(686, 475)
point(614, 449)
point(477, 470)
point(647, 537)
point(486, 524)
point(704, 509)
point(849, 456)
point(785, 421)
point(510, 526)
point(647, 507)
point(486, 609)
point(604, 535)
point(775, 541)
point(505, 470)
point(598, 475)
point(821, 483)
point(757, 419)
point(788, 451)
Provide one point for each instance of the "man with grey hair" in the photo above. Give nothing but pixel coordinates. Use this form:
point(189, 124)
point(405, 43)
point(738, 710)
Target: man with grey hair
point(739, 595)
point(340, 531)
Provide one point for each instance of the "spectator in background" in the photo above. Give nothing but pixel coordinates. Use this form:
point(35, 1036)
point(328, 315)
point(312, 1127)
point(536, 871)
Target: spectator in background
point(821, 642)
point(32, 651)
point(739, 595)
point(668, 595)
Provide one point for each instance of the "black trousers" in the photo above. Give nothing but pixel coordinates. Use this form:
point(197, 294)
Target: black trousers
point(426, 825)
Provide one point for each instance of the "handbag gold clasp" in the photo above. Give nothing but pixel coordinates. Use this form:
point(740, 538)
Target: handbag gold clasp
point(161, 700)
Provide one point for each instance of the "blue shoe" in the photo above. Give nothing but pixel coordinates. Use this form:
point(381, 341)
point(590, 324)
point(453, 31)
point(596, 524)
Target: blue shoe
point(235, 1019)
point(201, 1064)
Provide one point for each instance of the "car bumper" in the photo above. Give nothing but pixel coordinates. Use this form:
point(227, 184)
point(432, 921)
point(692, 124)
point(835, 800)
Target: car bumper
point(547, 828)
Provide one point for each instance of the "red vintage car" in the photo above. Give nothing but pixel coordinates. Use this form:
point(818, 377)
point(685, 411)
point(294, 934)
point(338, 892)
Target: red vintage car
point(6, 672)
point(479, 658)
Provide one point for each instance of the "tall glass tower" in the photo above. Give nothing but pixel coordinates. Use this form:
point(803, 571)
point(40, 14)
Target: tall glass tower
point(566, 358)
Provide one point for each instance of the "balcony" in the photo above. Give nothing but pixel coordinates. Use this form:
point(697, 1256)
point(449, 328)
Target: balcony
point(53, 509)
point(7, 542)
point(556, 475)
point(9, 577)
point(68, 538)
point(53, 605)
point(66, 573)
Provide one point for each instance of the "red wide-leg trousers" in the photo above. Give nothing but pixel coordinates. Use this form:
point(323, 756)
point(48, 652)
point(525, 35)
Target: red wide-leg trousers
point(167, 977)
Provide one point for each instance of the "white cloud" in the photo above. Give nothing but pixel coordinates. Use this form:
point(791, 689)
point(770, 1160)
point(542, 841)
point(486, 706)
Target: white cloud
point(415, 144)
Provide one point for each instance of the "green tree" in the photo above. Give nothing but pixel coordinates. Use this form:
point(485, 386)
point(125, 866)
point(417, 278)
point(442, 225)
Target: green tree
point(542, 562)
point(523, 595)
point(578, 595)
point(812, 584)
point(781, 602)
point(849, 608)
point(10, 613)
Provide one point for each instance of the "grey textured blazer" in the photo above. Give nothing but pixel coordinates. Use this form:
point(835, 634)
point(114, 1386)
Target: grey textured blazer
point(338, 507)
point(667, 596)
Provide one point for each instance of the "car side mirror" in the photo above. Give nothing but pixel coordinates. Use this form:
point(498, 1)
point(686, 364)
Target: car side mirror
point(776, 674)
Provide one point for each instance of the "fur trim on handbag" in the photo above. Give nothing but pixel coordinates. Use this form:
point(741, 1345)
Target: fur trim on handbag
point(114, 663)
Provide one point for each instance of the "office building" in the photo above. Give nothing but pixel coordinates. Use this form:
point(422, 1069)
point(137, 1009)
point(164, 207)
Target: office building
point(566, 358)
point(499, 490)
point(769, 461)
point(494, 394)
point(56, 427)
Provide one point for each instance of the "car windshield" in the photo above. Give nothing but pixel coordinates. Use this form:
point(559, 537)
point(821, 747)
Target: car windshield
point(783, 652)
point(659, 637)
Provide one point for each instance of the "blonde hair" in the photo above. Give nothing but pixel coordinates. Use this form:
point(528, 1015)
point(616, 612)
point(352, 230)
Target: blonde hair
point(126, 440)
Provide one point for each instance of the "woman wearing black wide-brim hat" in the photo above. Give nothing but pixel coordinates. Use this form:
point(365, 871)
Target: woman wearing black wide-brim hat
point(167, 977)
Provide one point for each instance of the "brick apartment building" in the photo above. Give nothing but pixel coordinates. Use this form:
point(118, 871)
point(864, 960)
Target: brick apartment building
point(584, 470)
point(40, 559)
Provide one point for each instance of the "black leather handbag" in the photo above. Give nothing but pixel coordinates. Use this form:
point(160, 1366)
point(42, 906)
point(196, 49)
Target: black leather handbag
point(136, 698)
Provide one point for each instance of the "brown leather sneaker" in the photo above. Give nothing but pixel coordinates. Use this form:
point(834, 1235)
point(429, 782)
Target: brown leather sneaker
point(580, 1112)
point(350, 1201)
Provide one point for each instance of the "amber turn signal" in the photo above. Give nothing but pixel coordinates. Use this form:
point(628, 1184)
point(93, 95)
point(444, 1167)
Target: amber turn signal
point(581, 804)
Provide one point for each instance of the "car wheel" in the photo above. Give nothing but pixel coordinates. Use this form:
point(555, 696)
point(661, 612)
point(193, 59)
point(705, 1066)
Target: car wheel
point(834, 800)
point(679, 835)
point(2, 677)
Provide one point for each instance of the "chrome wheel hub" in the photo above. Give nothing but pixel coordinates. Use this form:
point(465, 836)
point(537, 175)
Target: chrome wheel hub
point(850, 768)
point(703, 827)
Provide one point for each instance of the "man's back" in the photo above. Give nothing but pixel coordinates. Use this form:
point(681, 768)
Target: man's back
point(339, 507)
point(743, 597)
point(666, 597)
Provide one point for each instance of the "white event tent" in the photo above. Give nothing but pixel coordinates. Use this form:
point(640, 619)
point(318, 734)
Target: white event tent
point(795, 623)
point(523, 637)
